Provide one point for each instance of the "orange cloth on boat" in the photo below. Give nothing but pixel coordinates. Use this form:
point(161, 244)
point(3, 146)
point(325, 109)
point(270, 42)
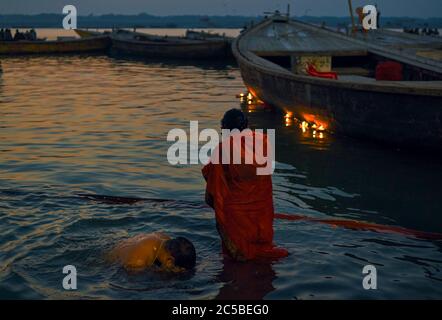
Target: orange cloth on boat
point(243, 200)
point(311, 70)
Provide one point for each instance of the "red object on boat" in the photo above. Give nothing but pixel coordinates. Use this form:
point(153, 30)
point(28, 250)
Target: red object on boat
point(389, 71)
point(243, 202)
point(311, 70)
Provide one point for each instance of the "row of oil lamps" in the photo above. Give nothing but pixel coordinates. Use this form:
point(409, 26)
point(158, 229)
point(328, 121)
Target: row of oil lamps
point(317, 130)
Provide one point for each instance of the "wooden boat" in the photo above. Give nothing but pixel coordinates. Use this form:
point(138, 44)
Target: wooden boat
point(151, 46)
point(273, 57)
point(92, 44)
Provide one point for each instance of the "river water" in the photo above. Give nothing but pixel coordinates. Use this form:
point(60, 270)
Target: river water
point(98, 124)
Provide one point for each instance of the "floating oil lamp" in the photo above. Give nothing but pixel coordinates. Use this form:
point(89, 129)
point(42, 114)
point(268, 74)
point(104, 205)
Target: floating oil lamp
point(288, 117)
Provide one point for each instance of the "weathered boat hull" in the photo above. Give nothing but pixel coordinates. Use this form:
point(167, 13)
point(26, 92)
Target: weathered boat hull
point(92, 44)
point(199, 50)
point(410, 121)
point(402, 113)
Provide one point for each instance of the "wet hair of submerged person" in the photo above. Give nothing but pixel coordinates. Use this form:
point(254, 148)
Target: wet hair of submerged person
point(234, 119)
point(183, 251)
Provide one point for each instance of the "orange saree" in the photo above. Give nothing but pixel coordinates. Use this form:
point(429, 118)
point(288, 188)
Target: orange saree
point(243, 204)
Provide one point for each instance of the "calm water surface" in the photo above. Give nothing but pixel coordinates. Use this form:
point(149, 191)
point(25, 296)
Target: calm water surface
point(95, 124)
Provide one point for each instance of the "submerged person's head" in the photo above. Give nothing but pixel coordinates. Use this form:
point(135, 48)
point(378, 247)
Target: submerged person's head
point(182, 252)
point(234, 119)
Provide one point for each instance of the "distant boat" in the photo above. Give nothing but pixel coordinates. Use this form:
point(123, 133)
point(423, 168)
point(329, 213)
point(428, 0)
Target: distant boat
point(152, 46)
point(330, 81)
point(203, 35)
point(91, 44)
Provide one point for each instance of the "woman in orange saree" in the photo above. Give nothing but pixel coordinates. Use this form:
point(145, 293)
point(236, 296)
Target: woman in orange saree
point(242, 199)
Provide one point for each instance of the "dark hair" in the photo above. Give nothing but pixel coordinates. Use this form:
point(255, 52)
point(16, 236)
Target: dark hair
point(183, 252)
point(234, 119)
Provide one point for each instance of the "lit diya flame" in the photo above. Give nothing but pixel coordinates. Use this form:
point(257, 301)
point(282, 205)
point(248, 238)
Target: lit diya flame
point(304, 126)
point(288, 117)
point(316, 123)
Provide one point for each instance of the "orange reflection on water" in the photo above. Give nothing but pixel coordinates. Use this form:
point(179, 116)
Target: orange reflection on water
point(319, 124)
point(288, 118)
point(63, 119)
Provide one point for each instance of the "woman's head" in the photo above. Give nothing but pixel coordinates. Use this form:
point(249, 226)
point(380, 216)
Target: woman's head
point(234, 119)
point(182, 251)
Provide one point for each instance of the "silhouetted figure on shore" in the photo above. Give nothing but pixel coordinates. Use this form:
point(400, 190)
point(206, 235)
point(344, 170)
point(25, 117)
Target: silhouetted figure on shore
point(8, 35)
point(27, 35)
point(19, 36)
point(33, 34)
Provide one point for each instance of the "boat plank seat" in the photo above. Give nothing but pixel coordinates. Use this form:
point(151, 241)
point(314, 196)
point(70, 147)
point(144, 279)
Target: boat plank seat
point(357, 71)
point(356, 78)
point(307, 52)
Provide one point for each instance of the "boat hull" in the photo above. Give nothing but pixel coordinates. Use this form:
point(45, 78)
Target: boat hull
point(202, 50)
point(92, 44)
point(407, 114)
point(405, 120)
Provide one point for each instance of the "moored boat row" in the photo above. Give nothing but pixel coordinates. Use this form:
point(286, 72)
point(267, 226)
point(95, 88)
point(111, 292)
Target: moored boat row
point(99, 43)
point(195, 45)
point(151, 46)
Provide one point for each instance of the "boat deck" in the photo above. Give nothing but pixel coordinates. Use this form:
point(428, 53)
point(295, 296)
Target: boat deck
point(296, 39)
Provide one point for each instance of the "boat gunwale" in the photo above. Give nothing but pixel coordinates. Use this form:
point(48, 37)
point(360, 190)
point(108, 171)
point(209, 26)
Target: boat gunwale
point(403, 87)
point(41, 42)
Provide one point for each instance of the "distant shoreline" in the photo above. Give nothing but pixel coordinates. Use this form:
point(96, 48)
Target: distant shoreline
point(190, 21)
